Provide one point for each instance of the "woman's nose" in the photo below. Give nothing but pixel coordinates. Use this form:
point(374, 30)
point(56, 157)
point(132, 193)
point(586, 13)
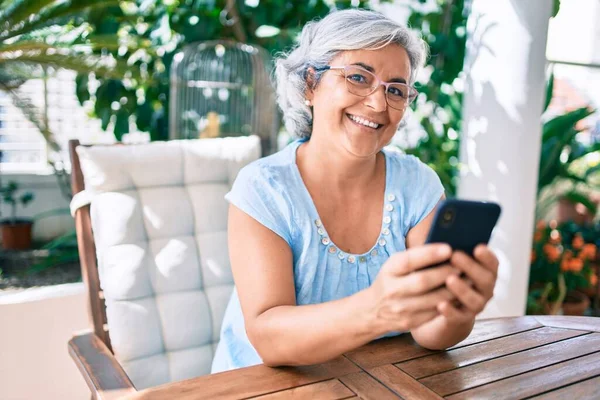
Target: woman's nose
point(377, 100)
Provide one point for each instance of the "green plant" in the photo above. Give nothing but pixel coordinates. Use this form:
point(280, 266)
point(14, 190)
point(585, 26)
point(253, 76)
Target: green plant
point(562, 260)
point(9, 195)
point(61, 250)
point(561, 154)
point(168, 26)
point(439, 107)
point(37, 36)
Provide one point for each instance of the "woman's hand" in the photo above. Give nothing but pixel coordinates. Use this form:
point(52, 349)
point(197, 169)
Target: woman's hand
point(472, 292)
point(403, 297)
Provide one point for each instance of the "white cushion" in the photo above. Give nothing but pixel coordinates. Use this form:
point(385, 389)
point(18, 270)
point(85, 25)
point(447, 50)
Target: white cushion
point(160, 227)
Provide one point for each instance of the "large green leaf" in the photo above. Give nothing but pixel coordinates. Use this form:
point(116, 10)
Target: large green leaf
point(555, 8)
point(557, 126)
point(575, 197)
point(549, 90)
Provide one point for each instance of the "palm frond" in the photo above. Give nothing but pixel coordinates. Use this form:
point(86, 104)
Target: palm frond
point(13, 75)
point(19, 12)
point(72, 37)
point(55, 14)
point(104, 66)
point(25, 46)
point(32, 113)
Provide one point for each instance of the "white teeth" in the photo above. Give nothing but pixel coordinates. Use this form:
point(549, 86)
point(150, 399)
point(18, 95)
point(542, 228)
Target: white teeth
point(363, 121)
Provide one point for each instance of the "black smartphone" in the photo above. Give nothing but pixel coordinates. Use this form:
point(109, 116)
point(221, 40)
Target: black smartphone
point(464, 224)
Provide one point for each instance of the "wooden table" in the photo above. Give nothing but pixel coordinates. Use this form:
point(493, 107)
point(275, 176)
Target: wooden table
point(551, 357)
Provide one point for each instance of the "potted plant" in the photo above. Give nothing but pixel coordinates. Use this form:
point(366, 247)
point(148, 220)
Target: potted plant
point(16, 232)
point(565, 177)
point(564, 263)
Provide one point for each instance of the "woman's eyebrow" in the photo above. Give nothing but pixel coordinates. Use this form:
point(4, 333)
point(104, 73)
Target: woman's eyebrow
point(371, 69)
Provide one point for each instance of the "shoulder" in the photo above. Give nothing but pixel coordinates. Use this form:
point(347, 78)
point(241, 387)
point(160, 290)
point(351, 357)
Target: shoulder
point(408, 166)
point(270, 170)
point(416, 184)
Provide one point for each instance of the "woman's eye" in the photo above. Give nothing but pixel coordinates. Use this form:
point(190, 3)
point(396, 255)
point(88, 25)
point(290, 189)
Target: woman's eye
point(357, 78)
point(396, 91)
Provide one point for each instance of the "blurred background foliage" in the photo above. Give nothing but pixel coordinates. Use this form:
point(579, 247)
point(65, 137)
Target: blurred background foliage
point(162, 28)
point(439, 106)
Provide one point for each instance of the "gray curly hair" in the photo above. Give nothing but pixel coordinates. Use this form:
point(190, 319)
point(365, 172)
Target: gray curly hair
point(320, 41)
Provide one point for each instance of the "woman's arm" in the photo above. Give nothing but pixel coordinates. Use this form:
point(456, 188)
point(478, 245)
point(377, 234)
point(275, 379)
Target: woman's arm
point(282, 332)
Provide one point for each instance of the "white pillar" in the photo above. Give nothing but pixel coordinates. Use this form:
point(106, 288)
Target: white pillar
point(500, 146)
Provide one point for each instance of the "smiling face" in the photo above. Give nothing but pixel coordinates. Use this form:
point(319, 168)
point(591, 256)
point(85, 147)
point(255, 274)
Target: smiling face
point(361, 126)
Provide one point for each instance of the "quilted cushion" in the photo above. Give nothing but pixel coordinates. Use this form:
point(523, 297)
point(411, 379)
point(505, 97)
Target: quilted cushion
point(160, 227)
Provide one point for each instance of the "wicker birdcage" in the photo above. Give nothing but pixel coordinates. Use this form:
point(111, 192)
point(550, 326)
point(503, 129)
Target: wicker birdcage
point(222, 88)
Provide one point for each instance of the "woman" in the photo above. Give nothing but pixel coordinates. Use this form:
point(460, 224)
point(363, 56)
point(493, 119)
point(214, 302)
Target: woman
point(326, 237)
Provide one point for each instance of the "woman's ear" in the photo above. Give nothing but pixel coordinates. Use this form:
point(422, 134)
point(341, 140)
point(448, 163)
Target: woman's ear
point(310, 79)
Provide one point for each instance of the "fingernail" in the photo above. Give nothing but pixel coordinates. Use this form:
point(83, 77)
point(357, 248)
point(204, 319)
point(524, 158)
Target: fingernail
point(444, 250)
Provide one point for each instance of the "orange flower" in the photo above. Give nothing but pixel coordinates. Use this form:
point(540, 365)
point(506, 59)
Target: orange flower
point(564, 264)
point(593, 279)
point(533, 256)
point(575, 264)
point(541, 225)
point(589, 251)
point(578, 242)
point(568, 254)
point(552, 252)
point(538, 236)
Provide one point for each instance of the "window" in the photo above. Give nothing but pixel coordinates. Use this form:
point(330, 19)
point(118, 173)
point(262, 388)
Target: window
point(23, 147)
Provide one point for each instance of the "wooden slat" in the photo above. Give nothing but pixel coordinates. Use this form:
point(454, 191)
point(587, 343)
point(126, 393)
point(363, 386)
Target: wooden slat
point(387, 351)
point(539, 381)
point(87, 251)
point(249, 382)
point(487, 329)
point(103, 308)
point(102, 372)
point(401, 383)
point(327, 390)
point(461, 357)
point(366, 387)
point(486, 372)
point(586, 390)
point(581, 323)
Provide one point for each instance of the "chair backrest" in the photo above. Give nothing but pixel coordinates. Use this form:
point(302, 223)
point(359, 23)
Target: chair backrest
point(153, 249)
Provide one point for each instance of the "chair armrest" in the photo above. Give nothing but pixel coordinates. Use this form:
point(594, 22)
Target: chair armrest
point(102, 372)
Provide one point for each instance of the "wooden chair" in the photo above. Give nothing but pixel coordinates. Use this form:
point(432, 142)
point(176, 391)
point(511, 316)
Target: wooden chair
point(92, 350)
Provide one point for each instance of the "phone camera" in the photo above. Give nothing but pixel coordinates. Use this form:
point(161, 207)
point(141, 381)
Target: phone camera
point(448, 217)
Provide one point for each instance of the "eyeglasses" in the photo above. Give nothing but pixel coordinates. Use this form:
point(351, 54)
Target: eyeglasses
point(362, 83)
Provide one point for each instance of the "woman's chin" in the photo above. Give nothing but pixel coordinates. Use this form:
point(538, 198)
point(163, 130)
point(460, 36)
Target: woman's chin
point(361, 146)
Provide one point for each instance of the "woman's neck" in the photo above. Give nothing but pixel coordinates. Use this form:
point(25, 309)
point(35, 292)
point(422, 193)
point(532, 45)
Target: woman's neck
point(332, 165)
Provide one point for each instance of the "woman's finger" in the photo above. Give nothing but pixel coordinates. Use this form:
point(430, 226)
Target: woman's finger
point(420, 282)
point(469, 298)
point(453, 313)
point(403, 263)
point(487, 258)
point(426, 301)
point(483, 279)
